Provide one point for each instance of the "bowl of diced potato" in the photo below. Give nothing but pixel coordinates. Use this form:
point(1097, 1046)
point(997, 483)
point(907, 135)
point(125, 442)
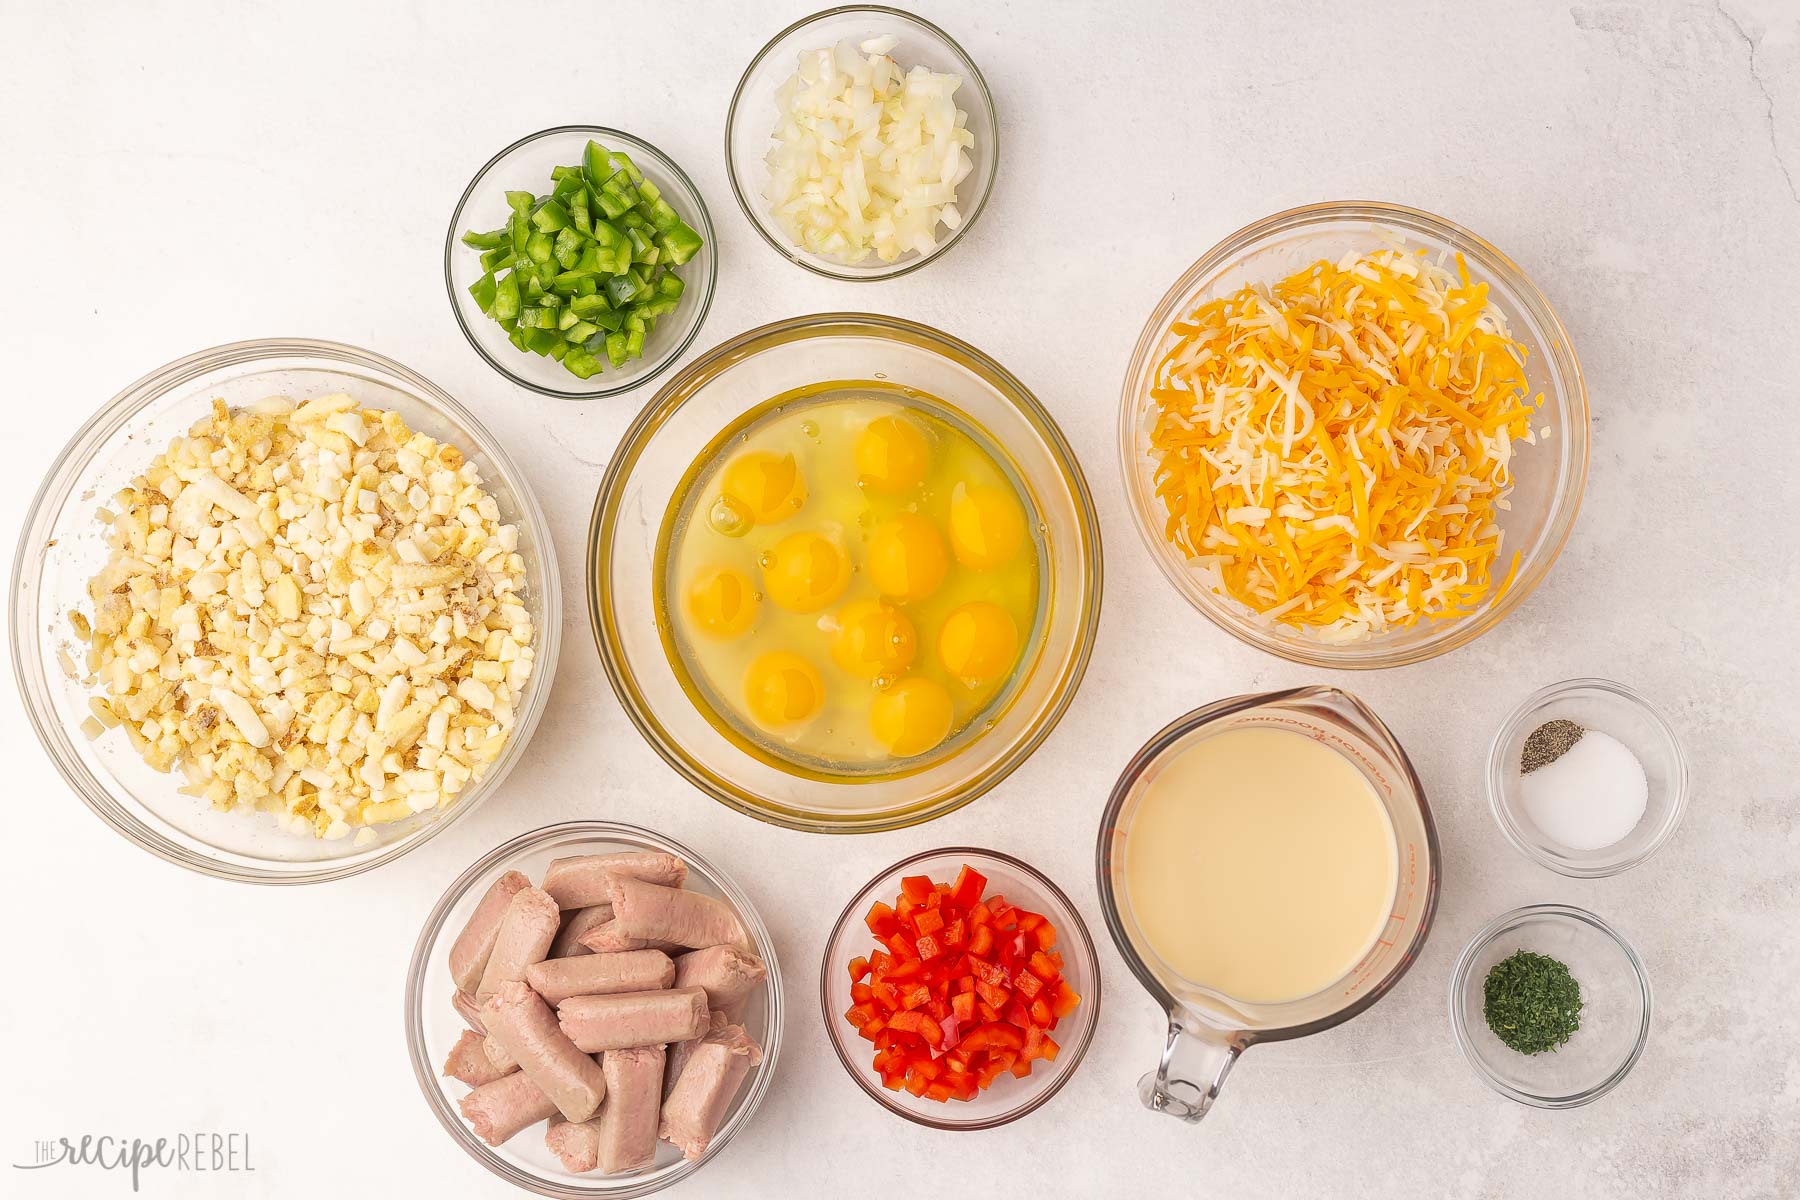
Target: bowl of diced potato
point(282, 610)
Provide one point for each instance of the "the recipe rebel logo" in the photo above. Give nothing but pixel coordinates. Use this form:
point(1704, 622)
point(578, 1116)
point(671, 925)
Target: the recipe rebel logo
point(188, 1153)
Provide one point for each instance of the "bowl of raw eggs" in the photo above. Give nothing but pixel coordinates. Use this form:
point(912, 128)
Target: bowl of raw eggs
point(844, 573)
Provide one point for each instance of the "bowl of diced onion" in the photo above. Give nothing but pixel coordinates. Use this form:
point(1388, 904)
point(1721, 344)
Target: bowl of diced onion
point(98, 726)
point(1330, 494)
point(861, 142)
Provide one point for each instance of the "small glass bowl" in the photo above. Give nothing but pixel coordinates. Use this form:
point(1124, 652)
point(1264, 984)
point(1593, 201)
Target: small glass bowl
point(1009, 1098)
point(433, 1026)
point(652, 465)
point(1606, 707)
point(752, 116)
point(525, 166)
point(62, 545)
point(1615, 1012)
point(1548, 477)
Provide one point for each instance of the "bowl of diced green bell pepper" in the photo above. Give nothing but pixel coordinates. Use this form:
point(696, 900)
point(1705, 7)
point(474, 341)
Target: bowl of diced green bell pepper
point(580, 262)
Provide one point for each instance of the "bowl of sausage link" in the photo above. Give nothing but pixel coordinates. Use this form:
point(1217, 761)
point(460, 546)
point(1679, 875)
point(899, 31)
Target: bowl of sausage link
point(593, 1010)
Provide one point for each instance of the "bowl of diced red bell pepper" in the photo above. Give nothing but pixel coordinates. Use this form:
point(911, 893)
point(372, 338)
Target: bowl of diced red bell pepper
point(960, 988)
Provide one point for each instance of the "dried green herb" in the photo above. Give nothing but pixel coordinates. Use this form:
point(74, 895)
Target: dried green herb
point(1531, 1002)
point(1547, 743)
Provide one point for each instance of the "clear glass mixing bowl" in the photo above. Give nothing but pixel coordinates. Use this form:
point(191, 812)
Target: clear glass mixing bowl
point(62, 545)
point(707, 396)
point(1547, 478)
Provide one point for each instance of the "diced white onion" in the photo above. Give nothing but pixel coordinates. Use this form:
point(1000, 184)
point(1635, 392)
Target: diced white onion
point(866, 158)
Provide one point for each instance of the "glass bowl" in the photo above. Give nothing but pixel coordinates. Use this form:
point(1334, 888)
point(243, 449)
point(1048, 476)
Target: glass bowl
point(62, 545)
point(525, 166)
point(1009, 1098)
point(1606, 707)
point(1549, 477)
point(1615, 1013)
point(751, 118)
point(433, 1026)
point(653, 459)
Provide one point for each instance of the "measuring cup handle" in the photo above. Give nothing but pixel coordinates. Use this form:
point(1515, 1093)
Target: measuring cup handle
point(1172, 1089)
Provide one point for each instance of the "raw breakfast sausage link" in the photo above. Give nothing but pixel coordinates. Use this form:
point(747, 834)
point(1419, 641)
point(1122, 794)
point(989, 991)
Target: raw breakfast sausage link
point(469, 1063)
point(727, 974)
point(600, 1023)
point(519, 1019)
point(469, 953)
point(557, 979)
point(500, 1109)
point(574, 924)
point(696, 1105)
point(581, 881)
point(653, 912)
point(628, 1122)
point(525, 936)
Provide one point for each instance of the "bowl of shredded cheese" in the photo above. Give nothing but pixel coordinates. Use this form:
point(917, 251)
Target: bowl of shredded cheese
point(282, 610)
point(1354, 435)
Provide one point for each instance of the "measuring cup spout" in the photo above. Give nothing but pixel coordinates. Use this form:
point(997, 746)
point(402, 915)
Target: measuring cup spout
point(1192, 1070)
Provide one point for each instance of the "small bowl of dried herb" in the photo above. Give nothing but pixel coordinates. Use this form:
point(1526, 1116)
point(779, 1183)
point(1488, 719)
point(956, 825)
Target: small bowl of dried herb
point(1550, 1005)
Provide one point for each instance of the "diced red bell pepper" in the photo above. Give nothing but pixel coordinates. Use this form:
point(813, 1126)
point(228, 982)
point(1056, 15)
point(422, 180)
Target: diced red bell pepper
point(1034, 1042)
point(1050, 1049)
point(909, 969)
point(873, 1030)
point(1029, 921)
point(928, 921)
point(1040, 1012)
point(970, 886)
point(915, 996)
point(1022, 1068)
point(979, 914)
point(916, 888)
point(1001, 914)
point(1045, 935)
point(987, 972)
point(928, 1067)
point(860, 1014)
point(956, 933)
point(928, 946)
point(916, 1083)
point(893, 1083)
point(993, 1033)
point(1042, 967)
point(861, 993)
point(991, 994)
point(962, 1006)
point(886, 994)
point(881, 920)
point(902, 946)
point(940, 1092)
point(1029, 985)
point(880, 961)
point(986, 1011)
point(981, 942)
point(1063, 999)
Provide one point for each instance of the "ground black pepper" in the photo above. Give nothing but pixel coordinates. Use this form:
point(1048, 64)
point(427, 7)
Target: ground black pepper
point(1547, 743)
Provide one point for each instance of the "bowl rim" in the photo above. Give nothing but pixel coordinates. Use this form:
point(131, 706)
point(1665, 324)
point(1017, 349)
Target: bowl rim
point(1460, 976)
point(1074, 1054)
point(637, 146)
point(1502, 806)
point(414, 998)
point(1572, 464)
point(94, 435)
point(901, 266)
point(602, 614)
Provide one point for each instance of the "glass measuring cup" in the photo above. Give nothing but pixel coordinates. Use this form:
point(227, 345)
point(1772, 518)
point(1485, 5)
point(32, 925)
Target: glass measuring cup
point(1208, 1030)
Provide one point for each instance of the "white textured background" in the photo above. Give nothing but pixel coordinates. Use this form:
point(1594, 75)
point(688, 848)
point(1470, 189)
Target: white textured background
point(173, 176)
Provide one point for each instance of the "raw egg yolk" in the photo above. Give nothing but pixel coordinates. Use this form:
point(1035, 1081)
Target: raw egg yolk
point(782, 689)
point(805, 572)
point(906, 557)
point(722, 602)
point(911, 717)
point(978, 642)
point(892, 455)
point(873, 639)
point(766, 485)
point(987, 527)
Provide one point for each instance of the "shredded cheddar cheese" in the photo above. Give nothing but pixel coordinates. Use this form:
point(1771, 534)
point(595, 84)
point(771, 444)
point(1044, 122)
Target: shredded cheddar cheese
point(1332, 451)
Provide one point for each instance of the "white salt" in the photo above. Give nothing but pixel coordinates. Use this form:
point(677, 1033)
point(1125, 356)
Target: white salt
point(1590, 797)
